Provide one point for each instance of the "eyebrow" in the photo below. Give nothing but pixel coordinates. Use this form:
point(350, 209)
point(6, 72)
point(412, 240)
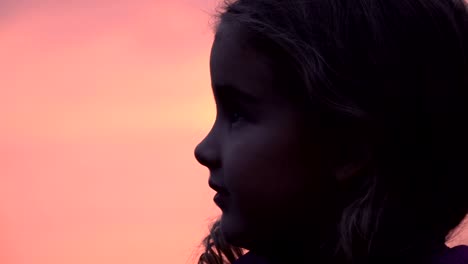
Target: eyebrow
point(227, 90)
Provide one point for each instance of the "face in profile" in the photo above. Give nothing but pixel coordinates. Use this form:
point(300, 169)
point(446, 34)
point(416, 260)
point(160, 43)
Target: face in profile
point(264, 160)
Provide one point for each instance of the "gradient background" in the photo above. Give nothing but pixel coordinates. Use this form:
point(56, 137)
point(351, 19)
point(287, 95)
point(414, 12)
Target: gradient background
point(101, 105)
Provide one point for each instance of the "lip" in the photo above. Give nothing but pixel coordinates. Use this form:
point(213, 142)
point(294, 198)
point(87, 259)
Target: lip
point(220, 200)
point(218, 188)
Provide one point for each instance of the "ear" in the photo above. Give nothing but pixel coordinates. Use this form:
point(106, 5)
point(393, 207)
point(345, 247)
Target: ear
point(349, 172)
point(353, 159)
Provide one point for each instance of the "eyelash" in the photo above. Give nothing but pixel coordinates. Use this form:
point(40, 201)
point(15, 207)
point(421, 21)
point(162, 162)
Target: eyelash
point(235, 118)
point(234, 114)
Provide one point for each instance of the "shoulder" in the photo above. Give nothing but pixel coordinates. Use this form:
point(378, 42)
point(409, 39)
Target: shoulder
point(251, 258)
point(455, 255)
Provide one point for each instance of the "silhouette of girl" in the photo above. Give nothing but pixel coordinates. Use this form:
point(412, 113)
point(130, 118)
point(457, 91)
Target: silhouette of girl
point(340, 134)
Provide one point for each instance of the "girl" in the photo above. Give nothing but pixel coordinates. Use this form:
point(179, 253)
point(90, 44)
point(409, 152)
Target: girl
point(340, 134)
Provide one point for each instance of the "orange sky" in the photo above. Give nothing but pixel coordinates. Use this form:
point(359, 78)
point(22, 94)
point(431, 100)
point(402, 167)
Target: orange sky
point(101, 105)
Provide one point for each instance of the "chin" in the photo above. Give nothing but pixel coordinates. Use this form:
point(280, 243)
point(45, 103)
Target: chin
point(232, 231)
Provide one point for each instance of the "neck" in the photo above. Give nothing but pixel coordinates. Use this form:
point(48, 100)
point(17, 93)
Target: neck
point(306, 253)
point(298, 251)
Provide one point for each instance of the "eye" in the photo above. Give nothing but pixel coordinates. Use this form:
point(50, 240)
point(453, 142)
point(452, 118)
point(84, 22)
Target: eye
point(233, 110)
point(235, 116)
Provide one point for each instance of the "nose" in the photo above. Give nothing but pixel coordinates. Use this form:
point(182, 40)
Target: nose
point(207, 151)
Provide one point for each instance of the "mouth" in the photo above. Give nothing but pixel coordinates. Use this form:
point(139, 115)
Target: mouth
point(221, 197)
point(218, 188)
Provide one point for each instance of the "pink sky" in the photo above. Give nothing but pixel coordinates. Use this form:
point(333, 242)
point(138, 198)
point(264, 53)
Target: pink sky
point(101, 105)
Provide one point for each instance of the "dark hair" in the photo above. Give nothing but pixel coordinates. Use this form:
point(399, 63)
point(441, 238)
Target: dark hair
point(396, 73)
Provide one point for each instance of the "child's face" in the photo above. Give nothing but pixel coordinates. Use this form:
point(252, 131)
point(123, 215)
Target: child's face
point(259, 151)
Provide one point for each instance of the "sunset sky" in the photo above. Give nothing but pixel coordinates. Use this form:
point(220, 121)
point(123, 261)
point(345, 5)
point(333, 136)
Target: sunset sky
point(101, 105)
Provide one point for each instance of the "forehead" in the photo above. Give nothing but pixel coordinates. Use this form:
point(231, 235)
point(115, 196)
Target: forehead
point(234, 62)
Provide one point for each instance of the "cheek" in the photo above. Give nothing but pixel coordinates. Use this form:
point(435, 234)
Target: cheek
point(266, 169)
point(267, 176)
